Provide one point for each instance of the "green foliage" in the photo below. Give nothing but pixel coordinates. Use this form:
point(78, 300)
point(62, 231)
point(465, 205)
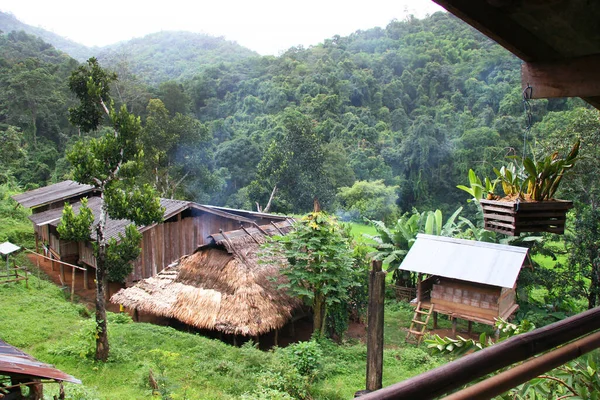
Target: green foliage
point(320, 267)
point(91, 85)
point(76, 227)
point(371, 200)
point(121, 252)
point(305, 357)
point(460, 345)
point(394, 242)
point(477, 189)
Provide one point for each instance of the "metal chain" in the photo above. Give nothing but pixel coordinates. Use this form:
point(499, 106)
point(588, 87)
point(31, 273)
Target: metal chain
point(527, 95)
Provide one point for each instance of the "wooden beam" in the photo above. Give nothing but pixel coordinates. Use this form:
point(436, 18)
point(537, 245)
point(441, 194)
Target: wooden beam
point(496, 23)
point(453, 375)
point(577, 77)
point(375, 327)
point(530, 369)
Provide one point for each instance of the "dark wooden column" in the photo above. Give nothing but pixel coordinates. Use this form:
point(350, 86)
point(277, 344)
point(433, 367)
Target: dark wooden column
point(375, 327)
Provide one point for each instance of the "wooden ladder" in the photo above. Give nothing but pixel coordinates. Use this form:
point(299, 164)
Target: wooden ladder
point(417, 327)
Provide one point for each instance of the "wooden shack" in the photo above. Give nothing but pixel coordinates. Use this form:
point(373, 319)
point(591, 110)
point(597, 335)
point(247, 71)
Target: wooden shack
point(222, 287)
point(465, 279)
point(186, 226)
point(18, 370)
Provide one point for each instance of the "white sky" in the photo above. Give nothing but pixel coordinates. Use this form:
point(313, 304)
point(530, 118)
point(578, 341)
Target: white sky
point(265, 26)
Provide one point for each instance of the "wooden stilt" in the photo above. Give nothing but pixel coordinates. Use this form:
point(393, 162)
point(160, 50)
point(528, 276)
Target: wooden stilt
point(73, 285)
point(136, 315)
point(235, 340)
point(85, 278)
point(470, 326)
point(62, 273)
point(276, 342)
point(454, 322)
point(435, 320)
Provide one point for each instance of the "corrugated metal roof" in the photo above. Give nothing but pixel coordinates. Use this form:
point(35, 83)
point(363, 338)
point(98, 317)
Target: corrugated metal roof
point(7, 248)
point(467, 260)
point(115, 227)
point(51, 194)
point(15, 361)
point(250, 214)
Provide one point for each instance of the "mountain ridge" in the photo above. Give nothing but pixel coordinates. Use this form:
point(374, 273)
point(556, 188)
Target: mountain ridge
point(156, 57)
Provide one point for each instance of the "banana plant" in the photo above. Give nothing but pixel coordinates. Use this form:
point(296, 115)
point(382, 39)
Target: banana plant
point(394, 242)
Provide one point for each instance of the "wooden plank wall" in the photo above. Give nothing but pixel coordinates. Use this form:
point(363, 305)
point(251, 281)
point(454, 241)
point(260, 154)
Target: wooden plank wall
point(167, 242)
point(164, 243)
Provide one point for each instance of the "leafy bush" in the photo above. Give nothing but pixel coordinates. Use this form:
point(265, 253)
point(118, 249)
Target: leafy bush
point(305, 357)
point(414, 357)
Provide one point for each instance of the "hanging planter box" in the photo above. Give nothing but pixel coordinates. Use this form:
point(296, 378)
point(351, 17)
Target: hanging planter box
point(514, 217)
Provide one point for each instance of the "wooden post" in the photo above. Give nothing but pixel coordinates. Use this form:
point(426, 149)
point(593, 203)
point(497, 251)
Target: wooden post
point(73, 285)
point(136, 315)
point(435, 320)
point(470, 326)
point(85, 278)
point(276, 337)
point(62, 273)
point(454, 323)
point(375, 326)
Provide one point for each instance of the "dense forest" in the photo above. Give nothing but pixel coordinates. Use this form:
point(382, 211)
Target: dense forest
point(398, 114)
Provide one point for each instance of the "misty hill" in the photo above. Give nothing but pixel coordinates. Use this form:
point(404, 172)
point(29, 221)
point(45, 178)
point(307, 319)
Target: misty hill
point(78, 51)
point(154, 58)
point(168, 55)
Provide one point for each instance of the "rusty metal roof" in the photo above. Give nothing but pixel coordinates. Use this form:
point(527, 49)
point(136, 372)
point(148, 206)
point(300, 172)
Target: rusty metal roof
point(51, 194)
point(15, 361)
point(466, 260)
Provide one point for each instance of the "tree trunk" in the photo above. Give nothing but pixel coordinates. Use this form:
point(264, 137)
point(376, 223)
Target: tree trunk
point(319, 314)
point(102, 348)
point(594, 285)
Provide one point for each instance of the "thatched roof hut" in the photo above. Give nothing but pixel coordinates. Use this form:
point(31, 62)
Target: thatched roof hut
point(221, 287)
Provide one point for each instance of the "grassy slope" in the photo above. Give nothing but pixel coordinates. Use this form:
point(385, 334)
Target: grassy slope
point(42, 322)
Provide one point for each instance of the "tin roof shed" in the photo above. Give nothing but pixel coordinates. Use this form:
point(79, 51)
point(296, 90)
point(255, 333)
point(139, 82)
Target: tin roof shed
point(51, 194)
point(466, 260)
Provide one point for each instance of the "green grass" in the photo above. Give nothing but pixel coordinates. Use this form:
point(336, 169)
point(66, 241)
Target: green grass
point(41, 321)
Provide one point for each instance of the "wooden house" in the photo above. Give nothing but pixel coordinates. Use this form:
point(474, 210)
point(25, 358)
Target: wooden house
point(186, 226)
point(466, 279)
point(221, 287)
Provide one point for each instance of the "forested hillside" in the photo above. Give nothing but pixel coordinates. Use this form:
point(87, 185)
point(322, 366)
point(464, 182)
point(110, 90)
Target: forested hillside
point(9, 23)
point(163, 56)
point(402, 112)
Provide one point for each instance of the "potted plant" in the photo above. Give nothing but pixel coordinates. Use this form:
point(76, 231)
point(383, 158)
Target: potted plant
point(528, 204)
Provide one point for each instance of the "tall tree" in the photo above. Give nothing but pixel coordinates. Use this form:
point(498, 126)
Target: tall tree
point(320, 264)
point(110, 163)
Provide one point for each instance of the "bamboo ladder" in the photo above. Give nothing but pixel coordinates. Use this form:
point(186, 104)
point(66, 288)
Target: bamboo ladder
point(417, 327)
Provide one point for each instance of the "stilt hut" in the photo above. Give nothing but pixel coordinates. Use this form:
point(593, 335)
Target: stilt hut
point(221, 287)
point(465, 279)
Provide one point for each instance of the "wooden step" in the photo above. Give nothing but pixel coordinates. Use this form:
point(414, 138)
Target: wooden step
point(416, 321)
point(419, 333)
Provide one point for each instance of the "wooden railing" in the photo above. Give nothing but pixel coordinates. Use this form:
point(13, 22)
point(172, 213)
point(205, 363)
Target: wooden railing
point(449, 377)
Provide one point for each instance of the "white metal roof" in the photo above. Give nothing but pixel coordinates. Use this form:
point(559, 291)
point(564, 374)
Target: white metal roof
point(467, 260)
point(7, 248)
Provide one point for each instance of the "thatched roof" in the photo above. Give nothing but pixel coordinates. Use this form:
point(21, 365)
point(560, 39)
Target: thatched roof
point(222, 286)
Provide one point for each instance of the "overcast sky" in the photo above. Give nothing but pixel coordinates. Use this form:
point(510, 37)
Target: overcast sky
point(265, 26)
